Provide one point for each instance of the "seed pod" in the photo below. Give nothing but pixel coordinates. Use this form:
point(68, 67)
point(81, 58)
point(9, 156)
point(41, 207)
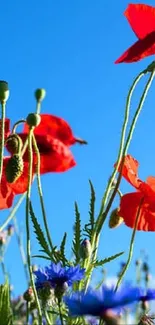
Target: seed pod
point(40, 94)
point(33, 119)
point(115, 220)
point(4, 91)
point(14, 143)
point(14, 168)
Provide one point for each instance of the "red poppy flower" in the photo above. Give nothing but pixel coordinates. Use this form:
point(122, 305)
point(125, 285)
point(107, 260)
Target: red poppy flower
point(130, 202)
point(141, 18)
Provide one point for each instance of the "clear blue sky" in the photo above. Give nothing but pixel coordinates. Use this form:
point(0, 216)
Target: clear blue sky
point(69, 48)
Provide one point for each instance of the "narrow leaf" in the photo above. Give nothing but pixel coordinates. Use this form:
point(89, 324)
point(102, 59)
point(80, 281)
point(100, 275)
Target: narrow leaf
point(77, 235)
point(107, 260)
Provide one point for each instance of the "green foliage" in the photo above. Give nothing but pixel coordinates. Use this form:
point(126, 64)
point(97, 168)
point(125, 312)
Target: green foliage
point(39, 233)
point(89, 228)
point(107, 260)
point(5, 308)
point(77, 235)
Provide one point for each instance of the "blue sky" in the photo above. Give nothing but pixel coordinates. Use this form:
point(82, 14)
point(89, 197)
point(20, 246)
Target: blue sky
point(69, 48)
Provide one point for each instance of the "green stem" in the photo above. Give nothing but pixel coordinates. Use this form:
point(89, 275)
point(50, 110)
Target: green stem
point(60, 314)
point(27, 312)
point(41, 193)
point(129, 137)
point(14, 210)
point(38, 107)
point(30, 153)
point(47, 317)
point(2, 137)
point(101, 217)
point(16, 124)
point(131, 247)
point(21, 248)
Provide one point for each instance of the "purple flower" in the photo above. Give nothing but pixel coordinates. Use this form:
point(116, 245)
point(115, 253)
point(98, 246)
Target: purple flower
point(57, 275)
point(98, 302)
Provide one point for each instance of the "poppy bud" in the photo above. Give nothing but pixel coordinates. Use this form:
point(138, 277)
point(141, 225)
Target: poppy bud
point(115, 220)
point(4, 91)
point(28, 295)
point(145, 267)
point(40, 94)
point(14, 143)
point(85, 249)
point(33, 119)
point(10, 230)
point(14, 168)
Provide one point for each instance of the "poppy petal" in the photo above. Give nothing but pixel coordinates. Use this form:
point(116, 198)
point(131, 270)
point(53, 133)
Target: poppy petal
point(58, 159)
point(130, 170)
point(139, 50)
point(55, 127)
point(136, 15)
point(151, 182)
point(129, 206)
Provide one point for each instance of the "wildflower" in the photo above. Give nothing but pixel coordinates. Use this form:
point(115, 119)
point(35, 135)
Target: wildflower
point(99, 302)
point(130, 202)
point(54, 138)
point(57, 275)
point(136, 15)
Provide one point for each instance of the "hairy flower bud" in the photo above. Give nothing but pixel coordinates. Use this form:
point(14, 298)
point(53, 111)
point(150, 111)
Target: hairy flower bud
point(33, 119)
point(28, 295)
point(14, 143)
point(10, 230)
point(14, 168)
point(40, 94)
point(4, 91)
point(85, 249)
point(115, 220)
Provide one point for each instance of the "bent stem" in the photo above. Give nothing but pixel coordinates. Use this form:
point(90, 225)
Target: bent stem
point(101, 216)
point(131, 247)
point(30, 154)
point(41, 193)
point(13, 212)
point(128, 140)
point(2, 137)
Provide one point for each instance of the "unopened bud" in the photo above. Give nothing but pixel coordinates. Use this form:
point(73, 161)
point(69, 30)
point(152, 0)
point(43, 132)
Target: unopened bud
point(145, 267)
point(4, 91)
point(10, 230)
point(33, 119)
point(45, 292)
point(115, 220)
point(148, 277)
point(138, 262)
point(14, 143)
point(40, 94)
point(60, 289)
point(28, 295)
point(85, 249)
point(14, 168)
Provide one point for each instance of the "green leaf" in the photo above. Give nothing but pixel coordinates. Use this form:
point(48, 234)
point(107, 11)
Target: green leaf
point(92, 205)
point(42, 256)
point(107, 260)
point(5, 307)
point(62, 248)
point(77, 235)
point(39, 233)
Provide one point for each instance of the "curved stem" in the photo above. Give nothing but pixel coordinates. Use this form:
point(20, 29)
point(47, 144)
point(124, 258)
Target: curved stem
point(16, 124)
point(47, 318)
point(2, 137)
point(30, 153)
point(14, 210)
point(41, 193)
point(129, 137)
point(131, 247)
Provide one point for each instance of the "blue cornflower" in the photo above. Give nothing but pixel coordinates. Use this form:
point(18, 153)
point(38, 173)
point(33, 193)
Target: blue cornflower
point(57, 275)
point(98, 302)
